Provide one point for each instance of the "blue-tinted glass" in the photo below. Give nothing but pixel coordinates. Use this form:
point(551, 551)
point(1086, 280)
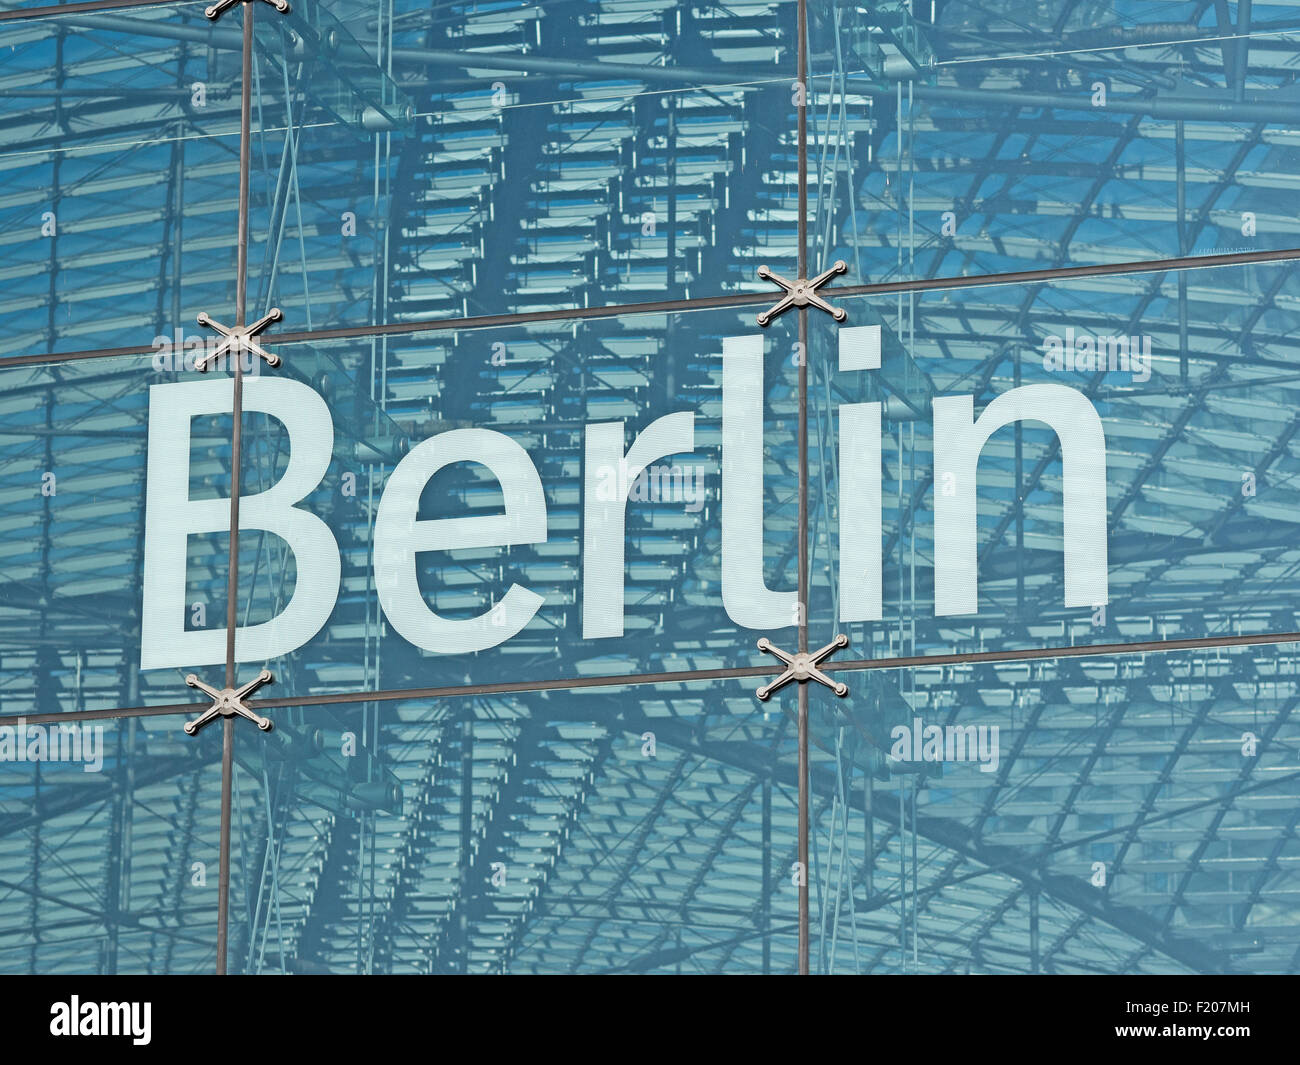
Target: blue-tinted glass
point(1094, 813)
point(581, 157)
point(1067, 779)
point(978, 139)
point(389, 192)
point(1173, 515)
point(464, 236)
point(550, 409)
point(569, 863)
point(72, 546)
point(119, 148)
point(109, 854)
point(1144, 800)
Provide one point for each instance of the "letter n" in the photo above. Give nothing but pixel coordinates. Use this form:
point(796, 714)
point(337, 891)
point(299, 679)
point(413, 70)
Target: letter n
point(958, 441)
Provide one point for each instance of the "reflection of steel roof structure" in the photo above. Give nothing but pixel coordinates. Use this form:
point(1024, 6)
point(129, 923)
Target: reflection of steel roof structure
point(511, 159)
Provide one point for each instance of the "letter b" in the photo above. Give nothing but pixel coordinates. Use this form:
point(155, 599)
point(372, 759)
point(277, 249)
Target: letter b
point(172, 517)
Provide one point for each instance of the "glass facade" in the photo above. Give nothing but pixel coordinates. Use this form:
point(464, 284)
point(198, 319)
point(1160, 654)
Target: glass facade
point(470, 306)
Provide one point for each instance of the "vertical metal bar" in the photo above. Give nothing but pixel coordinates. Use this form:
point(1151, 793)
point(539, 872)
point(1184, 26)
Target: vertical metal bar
point(1242, 59)
point(118, 892)
point(236, 458)
point(670, 276)
point(56, 197)
point(767, 875)
point(245, 155)
point(374, 833)
point(802, 117)
point(361, 847)
point(802, 98)
point(915, 906)
point(1180, 185)
point(466, 833)
point(803, 830)
point(911, 347)
point(1020, 502)
point(223, 880)
point(178, 222)
point(869, 819)
point(113, 881)
point(1033, 932)
point(902, 877)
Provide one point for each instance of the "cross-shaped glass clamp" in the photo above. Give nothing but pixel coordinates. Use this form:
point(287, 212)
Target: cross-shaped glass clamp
point(803, 293)
point(229, 702)
point(222, 6)
point(239, 339)
point(802, 667)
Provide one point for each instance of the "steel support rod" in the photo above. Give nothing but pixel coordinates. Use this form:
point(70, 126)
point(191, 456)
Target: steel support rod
point(1242, 59)
point(902, 876)
point(767, 875)
point(915, 896)
point(869, 823)
point(466, 841)
point(803, 831)
point(804, 798)
point(236, 460)
point(1180, 160)
point(1033, 932)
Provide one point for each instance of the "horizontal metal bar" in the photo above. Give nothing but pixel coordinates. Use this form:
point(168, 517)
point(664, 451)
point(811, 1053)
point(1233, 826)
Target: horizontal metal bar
point(684, 306)
point(730, 77)
point(1191, 109)
point(1066, 273)
point(1190, 262)
point(27, 13)
point(1190, 643)
point(683, 677)
point(74, 356)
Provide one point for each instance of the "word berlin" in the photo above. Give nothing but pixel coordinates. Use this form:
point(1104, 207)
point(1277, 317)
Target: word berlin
point(171, 516)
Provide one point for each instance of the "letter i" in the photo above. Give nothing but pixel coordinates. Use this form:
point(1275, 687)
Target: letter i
point(859, 487)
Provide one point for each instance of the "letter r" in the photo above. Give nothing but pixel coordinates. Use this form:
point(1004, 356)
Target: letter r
point(604, 522)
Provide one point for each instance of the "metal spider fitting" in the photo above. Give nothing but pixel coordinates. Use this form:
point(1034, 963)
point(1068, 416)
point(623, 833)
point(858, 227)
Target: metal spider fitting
point(802, 667)
point(803, 293)
point(229, 702)
point(215, 11)
point(239, 339)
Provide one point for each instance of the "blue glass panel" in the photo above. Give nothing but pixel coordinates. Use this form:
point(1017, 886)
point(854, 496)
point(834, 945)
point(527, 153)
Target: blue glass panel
point(1182, 519)
point(623, 828)
point(975, 139)
point(119, 151)
point(533, 157)
point(1097, 812)
point(109, 835)
point(539, 390)
point(75, 440)
point(567, 862)
point(1148, 799)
